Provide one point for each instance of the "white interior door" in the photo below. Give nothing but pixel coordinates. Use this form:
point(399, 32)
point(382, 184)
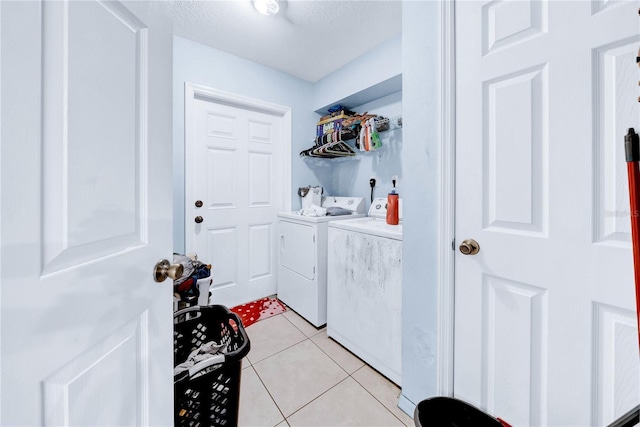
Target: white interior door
point(545, 330)
point(236, 157)
point(86, 213)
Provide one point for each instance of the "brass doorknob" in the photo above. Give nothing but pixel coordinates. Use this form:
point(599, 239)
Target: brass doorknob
point(198, 219)
point(164, 269)
point(198, 203)
point(469, 247)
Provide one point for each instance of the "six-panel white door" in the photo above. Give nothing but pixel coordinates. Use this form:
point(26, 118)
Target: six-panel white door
point(86, 213)
point(545, 330)
point(235, 164)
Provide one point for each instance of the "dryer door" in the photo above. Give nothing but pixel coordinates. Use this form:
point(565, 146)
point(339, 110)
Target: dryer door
point(298, 248)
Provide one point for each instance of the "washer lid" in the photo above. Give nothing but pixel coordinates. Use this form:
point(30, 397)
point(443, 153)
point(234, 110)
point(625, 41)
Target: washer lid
point(372, 226)
point(295, 216)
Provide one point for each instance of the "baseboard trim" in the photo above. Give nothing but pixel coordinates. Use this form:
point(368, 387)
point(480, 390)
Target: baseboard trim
point(407, 406)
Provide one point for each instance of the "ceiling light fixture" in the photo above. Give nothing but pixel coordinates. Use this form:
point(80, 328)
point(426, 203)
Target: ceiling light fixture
point(266, 7)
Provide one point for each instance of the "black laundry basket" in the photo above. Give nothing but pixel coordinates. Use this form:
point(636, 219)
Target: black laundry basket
point(209, 397)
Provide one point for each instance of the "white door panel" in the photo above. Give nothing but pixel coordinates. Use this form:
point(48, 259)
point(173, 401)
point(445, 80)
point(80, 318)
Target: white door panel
point(545, 311)
point(86, 160)
point(234, 165)
point(90, 210)
point(613, 114)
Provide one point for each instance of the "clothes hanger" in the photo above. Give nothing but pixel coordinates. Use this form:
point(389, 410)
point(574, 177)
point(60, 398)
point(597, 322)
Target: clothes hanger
point(335, 148)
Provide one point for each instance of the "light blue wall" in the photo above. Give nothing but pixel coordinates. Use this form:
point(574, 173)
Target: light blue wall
point(368, 77)
point(421, 160)
point(409, 63)
point(370, 83)
point(196, 63)
point(351, 178)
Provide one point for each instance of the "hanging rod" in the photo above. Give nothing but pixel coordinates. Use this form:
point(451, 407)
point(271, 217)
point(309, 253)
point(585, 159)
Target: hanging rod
point(351, 131)
point(393, 122)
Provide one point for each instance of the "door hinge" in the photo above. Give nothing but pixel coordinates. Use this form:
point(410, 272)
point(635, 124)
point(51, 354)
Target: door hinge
point(314, 270)
point(453, 245)
point(314, 239)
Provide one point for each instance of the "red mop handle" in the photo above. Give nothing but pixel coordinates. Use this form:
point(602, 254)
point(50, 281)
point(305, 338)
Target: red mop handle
point(632, 151)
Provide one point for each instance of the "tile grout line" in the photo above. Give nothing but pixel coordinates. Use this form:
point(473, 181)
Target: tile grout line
point(378, 400)
point(277, 352)
point(345, 371)
point(338, 383)
point(312, 400)
point(335, 361)
point(280, 351)
point(309, 337)
point(252, 365)
point(286, 419)
point(332, 340)
point(317, 397)
point(306, 338)
point(270, 396)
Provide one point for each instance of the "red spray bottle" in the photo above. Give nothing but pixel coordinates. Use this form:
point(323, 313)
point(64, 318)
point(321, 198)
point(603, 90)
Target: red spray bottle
point(392, 206)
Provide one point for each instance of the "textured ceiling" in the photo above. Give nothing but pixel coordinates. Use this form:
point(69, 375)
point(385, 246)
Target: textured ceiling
point(307, 38)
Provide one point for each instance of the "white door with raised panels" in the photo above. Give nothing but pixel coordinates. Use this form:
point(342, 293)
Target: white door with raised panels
point(86, 213)
point(545, 330)
point(237, 180)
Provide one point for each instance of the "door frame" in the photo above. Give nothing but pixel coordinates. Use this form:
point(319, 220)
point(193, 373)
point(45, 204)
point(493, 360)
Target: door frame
point(193, 90)
point(447, 208)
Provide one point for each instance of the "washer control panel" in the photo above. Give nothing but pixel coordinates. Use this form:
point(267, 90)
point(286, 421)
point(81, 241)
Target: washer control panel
point(378, 208)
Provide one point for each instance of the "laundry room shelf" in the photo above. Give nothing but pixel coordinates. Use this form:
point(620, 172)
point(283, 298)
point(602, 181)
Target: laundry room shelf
point(322, 161)
point(338, 149)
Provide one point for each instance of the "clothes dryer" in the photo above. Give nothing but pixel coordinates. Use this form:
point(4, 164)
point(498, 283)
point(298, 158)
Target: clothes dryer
point(302, 264)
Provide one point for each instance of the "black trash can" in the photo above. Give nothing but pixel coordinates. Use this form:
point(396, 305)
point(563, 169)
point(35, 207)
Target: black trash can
point(209, 396)
point(450, 412)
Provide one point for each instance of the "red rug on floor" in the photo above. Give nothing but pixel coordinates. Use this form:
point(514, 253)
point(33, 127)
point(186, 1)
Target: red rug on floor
point(261, 309)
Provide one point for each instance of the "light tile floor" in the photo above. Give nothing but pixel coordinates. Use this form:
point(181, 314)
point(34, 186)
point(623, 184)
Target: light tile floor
point(295, 375)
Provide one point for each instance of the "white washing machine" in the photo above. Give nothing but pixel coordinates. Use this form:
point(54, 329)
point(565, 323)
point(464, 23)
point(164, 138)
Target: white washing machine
point(364, 289)
point(302, 264)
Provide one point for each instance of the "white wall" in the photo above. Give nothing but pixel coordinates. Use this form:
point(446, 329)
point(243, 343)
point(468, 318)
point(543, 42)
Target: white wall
point(421, 82)
point(196, 63)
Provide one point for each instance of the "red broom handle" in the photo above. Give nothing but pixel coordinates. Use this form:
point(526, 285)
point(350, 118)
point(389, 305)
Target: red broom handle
point(632, 151)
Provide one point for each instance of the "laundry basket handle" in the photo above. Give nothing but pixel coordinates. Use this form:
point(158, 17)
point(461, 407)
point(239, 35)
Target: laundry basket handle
point(186, 310)
point(215, 360)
